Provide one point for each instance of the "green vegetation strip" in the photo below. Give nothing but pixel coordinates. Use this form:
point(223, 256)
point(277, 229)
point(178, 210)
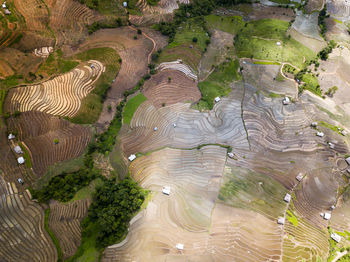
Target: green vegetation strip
point(292, 218)
point(218, 83)
point(26, 156)
point(92, 104)
point(52, 235)
point(131, 107)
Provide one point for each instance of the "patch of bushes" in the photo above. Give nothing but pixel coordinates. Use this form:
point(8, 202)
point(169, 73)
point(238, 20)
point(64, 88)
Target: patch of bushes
point(323, 54)
point(100, 25)
point(64, 186)
point(321, 20)
point(113, 206)
point(331, 91)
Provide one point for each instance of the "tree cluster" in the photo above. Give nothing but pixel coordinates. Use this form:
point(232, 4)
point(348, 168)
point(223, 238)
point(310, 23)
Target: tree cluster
point(64, 186)
point(113, 206)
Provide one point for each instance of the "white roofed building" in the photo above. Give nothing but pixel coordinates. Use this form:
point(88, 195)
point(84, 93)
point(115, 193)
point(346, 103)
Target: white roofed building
point(11, 136)
point(286, 101)
point(336, 237)
point(287, 198)
point(217, 99)
point(20, 160)
point(125, 4)
point(166, 190)
point(327, 216)
point(299, 177)
point(320, 134)
point(132, 158)
point(18, 150)
point(348, 160)
point(280, 221)
point(180, 246)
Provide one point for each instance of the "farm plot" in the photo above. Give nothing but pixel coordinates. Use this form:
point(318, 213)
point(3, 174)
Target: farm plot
point(243, 188)
point(340, 219)
point(151, 14)
point(265, 79)
point(23, 236)
point(220, 47)
point(49, 139)
point(68, 19)
point(170, 87)
point(189, 43)
point(59, 96)
point(135, 55)
point(303, 241)
point(307, 24)
point(280, 128)
point(222, 125)
point(264, 39)
point(194, 179)
point(316, 194)
point(64, 220)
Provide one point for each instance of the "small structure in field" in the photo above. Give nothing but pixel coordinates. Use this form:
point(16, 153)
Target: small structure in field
point(179, 246)
point(280, 220)
point(230, 155)
point(287, 197)
point(331, 145)
point(18, 150)
point(327, 216)
point(336, 237)
point(348, 160)
point(125, 4)
point(174, 125)
point(20, 160)
point(286, 101)
point(132, 157)
point(166, 190)
point(299, 177)
point(344, 133)
point(11, 136)
point(320, 134)
point(4, 5)
point(348, 170)
point(155, 128)
point(314, 124)
point(7, 12)
point(217, 99)
point(91, 66)
point(278, 43)
point(333, 207)
point(20, 181)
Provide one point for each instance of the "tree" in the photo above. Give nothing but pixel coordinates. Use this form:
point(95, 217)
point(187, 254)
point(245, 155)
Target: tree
point(194, 39)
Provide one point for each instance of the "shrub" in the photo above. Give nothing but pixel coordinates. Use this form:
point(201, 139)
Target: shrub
point(194, 39)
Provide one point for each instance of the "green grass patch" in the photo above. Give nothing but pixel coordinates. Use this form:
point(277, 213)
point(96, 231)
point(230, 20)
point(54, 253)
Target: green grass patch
point(266, 63)
point(131, 107)
point(292, 218)
point(189, 34)
point(338, 21)
point(152, 2)
point(56, 64)
point(218, 83)
point(87, 251)
point(2, 100)
point(107, 7)
point(328, 125)
point(243, 188)
point(92, 104)
point(52, 235)
point(257, 39)
point(26, 156)
point(288, 69)
point(10, 81)
point(274, 95)
point(87, 191)
point(311, 84)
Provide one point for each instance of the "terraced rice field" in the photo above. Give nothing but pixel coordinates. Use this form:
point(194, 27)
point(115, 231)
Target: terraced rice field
point(38, 131)
point(60, 96)
point(64, 220)
point(23, 236)
point(68, 19)
point(170, 87)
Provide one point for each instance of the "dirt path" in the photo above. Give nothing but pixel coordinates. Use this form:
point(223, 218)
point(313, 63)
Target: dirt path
point(339, 255)
point(148, 37)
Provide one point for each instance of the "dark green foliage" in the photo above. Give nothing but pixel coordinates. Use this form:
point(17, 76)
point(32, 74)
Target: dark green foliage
point(64, 186)
point(152, 2)
point(113, 206)
point(194, 39)
point(321, 20)
point(323, 54)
